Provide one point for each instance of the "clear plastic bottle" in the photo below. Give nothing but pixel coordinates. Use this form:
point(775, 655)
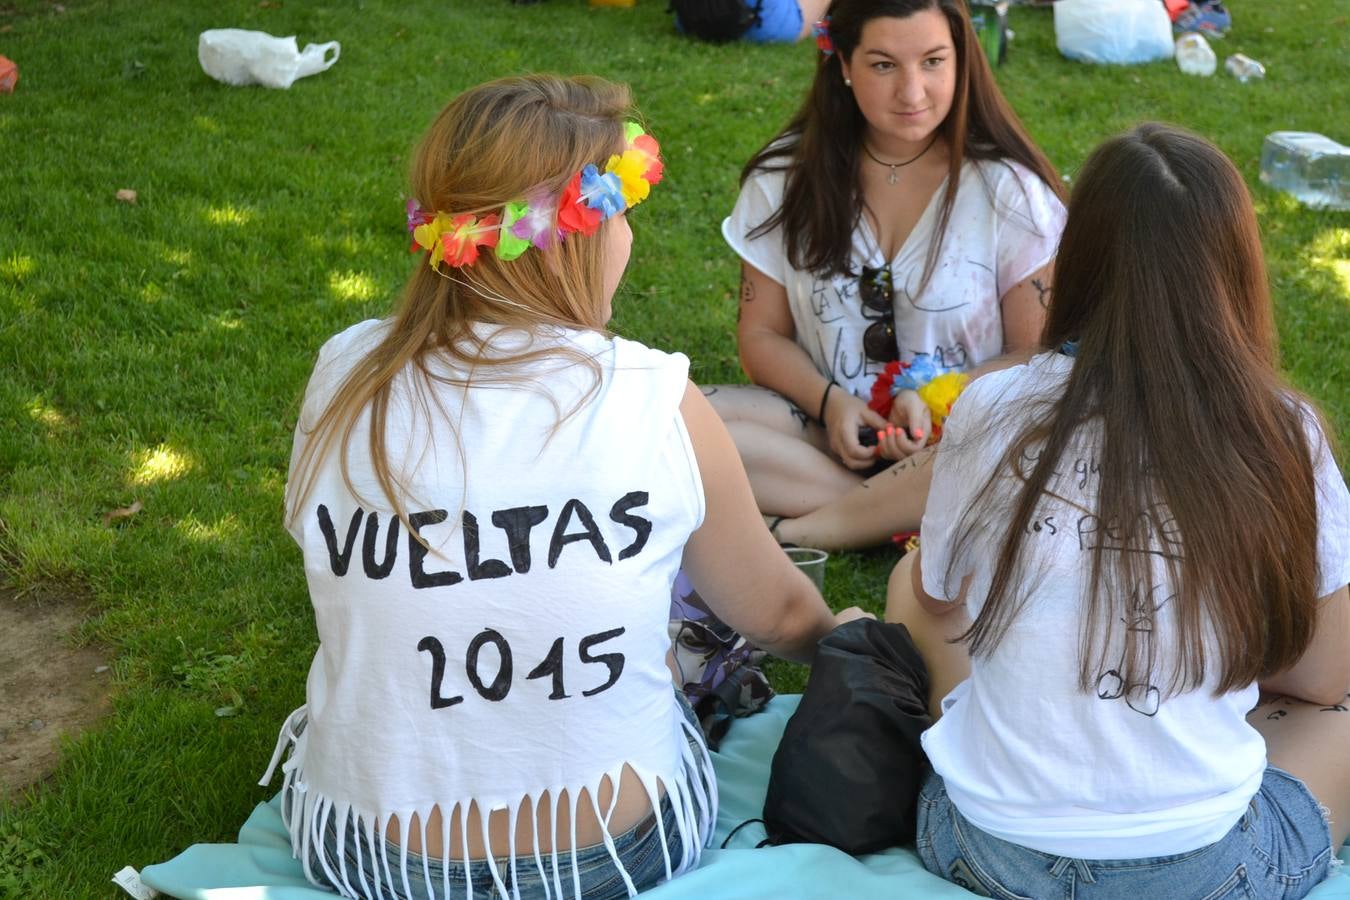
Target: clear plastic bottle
point(1312, 167)
point(1194, 55)
point(1244, 68)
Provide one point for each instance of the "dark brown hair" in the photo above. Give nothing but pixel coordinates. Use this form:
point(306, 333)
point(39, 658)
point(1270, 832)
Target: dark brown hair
point(819, 148)
point(1161, 280)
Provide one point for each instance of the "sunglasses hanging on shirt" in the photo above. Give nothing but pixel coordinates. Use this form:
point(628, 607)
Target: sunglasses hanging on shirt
point(877, 294)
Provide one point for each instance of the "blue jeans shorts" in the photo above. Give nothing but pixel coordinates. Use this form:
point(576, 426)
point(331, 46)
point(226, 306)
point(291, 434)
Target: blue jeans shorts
point(639, 848)
point(1281, 848)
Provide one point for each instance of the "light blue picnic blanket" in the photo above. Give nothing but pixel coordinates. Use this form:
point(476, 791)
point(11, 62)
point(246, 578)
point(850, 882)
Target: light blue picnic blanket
point(260, 867)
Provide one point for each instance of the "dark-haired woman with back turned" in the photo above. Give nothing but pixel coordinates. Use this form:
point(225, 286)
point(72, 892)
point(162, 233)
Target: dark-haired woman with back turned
point(902, 215)
point(1147, 528)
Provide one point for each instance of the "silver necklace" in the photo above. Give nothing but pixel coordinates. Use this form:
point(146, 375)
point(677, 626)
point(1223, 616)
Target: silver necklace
point(895, 176)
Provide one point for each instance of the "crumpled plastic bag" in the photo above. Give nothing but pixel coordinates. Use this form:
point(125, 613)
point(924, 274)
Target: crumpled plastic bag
point(239, 57)
point(1118, 32)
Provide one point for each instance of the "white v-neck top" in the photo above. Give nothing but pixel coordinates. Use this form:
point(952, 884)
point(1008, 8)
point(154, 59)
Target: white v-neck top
point(1005, 225)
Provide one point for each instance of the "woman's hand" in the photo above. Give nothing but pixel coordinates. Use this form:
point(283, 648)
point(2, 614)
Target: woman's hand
point(844, 414)
point(911, 424)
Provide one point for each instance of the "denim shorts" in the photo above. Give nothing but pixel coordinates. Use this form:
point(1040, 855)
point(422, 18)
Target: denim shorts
point(1281, 848)
point(639, 848)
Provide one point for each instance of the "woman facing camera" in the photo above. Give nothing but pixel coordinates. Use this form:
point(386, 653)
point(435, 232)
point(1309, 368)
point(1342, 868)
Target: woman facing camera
point(903, 219)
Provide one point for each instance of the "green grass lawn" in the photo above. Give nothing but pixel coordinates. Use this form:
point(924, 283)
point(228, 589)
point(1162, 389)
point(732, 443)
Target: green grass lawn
point(156, 351)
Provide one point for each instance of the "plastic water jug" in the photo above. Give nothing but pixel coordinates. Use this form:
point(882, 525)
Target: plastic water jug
point(1194, 55)
point(1312, 167)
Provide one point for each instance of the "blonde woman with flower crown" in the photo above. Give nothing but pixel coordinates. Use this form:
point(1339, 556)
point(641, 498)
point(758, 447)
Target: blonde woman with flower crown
point(493, 495)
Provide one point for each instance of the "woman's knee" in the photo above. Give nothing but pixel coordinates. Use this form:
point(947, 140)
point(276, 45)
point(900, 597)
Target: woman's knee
point(757, 405)
point(720, 396)
point(734, 401)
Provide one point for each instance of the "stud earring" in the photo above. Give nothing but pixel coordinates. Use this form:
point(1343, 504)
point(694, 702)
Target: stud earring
point(848, 82)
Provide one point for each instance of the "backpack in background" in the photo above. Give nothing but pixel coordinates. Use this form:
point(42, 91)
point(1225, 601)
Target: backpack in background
point(716, 20)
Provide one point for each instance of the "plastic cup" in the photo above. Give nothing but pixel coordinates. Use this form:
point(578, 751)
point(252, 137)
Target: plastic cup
point(810, 561)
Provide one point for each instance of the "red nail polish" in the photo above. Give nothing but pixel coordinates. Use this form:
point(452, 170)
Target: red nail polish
point(918, 434)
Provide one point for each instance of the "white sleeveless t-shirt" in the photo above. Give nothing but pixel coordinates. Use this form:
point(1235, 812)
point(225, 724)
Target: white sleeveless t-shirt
point(521, 652)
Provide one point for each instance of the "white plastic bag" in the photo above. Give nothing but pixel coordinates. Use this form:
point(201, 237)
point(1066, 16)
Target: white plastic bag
point(240, 57)
point(1113, 31)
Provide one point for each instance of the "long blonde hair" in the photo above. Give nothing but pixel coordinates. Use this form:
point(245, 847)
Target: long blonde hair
point(500, 141)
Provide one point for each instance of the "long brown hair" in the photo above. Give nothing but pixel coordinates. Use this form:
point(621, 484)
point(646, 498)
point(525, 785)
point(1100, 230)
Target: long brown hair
point(819, 148)
point(500, 141)
point(1161, 281)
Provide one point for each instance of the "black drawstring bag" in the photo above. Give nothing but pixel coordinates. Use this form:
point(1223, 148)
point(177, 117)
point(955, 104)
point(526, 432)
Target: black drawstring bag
point(848, 770)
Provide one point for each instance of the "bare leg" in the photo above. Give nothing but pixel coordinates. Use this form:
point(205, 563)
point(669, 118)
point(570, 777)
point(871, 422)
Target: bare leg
point(868, 514)
point(1308, 740)
point(785, 453)
point(792, 473)
point(751, 403)
point(788, 476)
point(948, 663)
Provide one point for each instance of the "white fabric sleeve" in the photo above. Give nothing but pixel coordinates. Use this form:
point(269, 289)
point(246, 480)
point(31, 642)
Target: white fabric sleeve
point(759, 199)
point(1030, 221)
point(956, 478)
point(665, 377)
point(686, 444)
point(1333, 512)
point(336, 358)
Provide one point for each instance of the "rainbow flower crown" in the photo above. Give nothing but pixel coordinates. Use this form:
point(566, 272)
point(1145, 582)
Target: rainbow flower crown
point(542, 220)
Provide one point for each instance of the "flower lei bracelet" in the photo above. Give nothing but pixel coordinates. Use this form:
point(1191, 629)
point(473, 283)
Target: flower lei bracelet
point(542, 220)
point(937, 388)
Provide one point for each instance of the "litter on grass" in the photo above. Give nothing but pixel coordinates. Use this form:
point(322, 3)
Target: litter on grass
point(239, 57)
